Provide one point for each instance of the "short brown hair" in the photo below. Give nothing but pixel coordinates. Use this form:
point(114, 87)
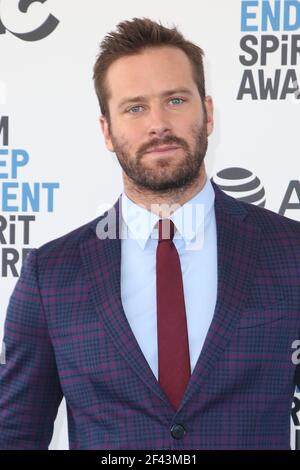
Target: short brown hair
point(132, 37)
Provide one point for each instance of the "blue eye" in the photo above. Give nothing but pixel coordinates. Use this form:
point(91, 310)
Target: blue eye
point(177, 99)
point(134, 107)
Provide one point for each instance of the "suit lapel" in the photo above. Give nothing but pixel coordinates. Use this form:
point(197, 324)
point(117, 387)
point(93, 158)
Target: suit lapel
point(102, 263)
point(237, 248)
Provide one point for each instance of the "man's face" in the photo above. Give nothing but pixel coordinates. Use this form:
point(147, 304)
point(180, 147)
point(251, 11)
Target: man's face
point(154, 103)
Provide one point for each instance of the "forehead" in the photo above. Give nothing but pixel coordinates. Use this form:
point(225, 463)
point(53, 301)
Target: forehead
point(152, 70)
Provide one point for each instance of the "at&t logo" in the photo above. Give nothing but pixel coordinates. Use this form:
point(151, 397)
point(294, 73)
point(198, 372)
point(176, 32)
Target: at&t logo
point(243, 185)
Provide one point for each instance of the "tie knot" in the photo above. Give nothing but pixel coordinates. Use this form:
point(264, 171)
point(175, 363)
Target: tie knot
point(166, 229)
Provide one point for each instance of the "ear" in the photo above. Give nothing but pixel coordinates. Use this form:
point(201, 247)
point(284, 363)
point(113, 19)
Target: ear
point(106, 133)
point(209, 105)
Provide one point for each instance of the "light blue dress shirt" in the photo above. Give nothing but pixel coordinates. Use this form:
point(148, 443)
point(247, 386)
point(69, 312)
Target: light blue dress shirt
point(196, 242)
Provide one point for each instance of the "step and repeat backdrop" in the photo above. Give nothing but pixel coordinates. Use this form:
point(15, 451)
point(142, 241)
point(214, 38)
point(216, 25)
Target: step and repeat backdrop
point(55, 171)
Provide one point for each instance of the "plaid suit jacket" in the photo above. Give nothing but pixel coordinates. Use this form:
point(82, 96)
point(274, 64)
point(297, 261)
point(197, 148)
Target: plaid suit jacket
point(66, 334)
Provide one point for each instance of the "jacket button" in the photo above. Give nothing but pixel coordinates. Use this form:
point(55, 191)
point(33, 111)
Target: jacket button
point(177, 431)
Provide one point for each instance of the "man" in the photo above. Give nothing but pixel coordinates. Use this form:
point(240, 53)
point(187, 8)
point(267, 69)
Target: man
point(163, 327)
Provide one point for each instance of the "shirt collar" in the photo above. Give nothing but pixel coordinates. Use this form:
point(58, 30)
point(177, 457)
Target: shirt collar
point(188, 219)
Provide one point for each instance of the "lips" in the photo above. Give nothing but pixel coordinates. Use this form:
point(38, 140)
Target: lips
point(163, 148)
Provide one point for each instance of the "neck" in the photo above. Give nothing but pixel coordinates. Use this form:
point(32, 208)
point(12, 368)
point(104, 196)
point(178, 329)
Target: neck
point(165, 203)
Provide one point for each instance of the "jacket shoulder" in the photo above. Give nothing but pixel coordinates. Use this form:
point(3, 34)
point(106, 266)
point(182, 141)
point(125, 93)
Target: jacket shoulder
point(66, 244)
point(270, 222)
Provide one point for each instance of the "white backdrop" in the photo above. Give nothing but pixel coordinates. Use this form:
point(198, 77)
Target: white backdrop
point(51, 145)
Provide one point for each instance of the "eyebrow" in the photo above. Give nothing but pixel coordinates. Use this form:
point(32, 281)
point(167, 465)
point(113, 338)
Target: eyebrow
point(133, 99)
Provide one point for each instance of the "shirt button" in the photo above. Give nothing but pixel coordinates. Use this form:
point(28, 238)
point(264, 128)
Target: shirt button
point(177, 431)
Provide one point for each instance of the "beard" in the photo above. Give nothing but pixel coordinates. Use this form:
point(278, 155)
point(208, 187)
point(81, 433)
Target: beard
point(164, 173)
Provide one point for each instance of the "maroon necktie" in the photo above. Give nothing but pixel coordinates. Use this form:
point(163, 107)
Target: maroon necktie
point(173, 348)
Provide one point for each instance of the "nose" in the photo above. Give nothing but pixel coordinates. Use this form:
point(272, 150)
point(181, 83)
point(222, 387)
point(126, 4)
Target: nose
point(159, 124)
